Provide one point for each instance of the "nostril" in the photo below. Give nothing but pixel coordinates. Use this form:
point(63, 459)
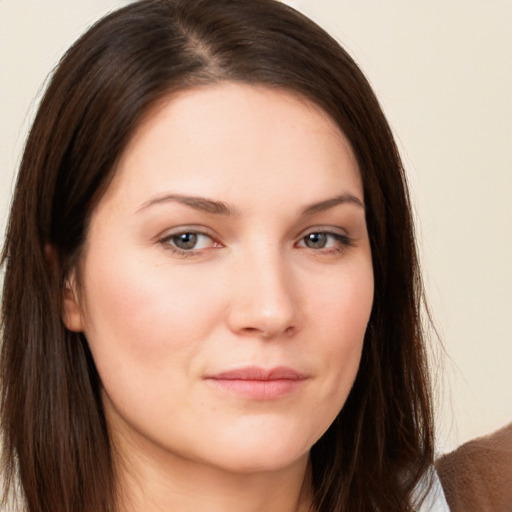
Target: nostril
point(251, 329)
point(269, 333)
point(289, 330)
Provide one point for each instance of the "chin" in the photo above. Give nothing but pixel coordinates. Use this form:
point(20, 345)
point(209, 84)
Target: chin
point(270, 461)
point(261, 453)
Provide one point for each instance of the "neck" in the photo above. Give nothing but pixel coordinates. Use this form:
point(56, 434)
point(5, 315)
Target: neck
point(185, 486)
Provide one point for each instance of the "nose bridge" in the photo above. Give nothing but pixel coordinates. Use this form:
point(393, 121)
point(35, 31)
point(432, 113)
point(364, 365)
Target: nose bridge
point(265, 301)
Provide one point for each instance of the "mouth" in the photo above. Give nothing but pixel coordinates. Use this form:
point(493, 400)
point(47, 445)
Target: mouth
point(258, 383)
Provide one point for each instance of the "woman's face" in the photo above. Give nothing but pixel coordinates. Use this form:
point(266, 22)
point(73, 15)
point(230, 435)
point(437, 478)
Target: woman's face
point(226, 280)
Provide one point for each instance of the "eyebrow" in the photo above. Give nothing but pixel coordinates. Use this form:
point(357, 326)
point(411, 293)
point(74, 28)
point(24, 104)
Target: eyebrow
point(198, 203)
point(220, 208)
point(330, 203)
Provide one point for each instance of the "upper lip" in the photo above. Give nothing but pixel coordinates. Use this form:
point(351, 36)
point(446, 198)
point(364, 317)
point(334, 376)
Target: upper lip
point(258, 373)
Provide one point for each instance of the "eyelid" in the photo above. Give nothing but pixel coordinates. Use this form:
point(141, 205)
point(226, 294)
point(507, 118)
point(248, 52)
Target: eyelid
point(164, 239)
point(340, 234)
point(327, 230)
point(335, 230)
point(193, 228)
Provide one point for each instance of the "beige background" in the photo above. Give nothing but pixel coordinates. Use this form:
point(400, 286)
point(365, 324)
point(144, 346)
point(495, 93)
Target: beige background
point(443, 72)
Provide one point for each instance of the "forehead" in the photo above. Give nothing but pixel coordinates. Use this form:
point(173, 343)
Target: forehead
point(230, 140)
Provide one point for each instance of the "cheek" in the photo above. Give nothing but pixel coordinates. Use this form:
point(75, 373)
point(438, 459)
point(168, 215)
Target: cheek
point(146, 327)
point(344, 301)
point(142, 312)
point(342, 314)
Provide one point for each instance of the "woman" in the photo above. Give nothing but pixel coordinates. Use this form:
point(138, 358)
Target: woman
point(212, 295)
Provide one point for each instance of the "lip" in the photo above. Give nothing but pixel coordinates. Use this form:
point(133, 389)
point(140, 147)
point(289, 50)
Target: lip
point(258, 383)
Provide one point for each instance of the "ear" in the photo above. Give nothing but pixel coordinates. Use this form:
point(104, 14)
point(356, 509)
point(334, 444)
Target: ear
point(71, 311)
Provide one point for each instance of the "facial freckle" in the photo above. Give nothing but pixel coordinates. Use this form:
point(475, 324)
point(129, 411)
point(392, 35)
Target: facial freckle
point(242, 178)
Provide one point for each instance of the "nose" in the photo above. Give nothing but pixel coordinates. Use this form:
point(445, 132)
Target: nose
point(264, 301)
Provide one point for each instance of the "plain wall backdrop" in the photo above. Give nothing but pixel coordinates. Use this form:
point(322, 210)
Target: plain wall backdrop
point(442, 70)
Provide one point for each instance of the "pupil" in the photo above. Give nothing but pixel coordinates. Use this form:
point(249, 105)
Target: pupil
point(316, 240)
point(186, 240)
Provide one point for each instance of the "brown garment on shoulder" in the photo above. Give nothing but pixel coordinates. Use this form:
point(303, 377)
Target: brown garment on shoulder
point(477, 477)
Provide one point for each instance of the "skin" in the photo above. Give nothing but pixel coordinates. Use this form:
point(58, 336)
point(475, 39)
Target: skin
point(258, 288)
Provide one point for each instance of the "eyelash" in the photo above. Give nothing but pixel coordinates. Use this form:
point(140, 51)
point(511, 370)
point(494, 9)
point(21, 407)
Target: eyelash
point(344, 242)
point(167, 243)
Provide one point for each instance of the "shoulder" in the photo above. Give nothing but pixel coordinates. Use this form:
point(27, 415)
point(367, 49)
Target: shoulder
point(434, 500)
point(477, 475)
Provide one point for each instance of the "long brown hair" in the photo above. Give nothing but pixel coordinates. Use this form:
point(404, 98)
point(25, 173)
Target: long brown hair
point(55, 438)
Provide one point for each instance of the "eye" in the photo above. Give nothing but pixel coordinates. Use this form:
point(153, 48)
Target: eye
point(325, 240)
point(188, 242)
point(316, 240)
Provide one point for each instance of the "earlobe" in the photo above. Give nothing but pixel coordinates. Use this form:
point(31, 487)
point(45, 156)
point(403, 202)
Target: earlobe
point(71, 311)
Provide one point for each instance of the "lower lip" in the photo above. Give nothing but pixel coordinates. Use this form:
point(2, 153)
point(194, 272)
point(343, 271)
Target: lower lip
point(258, 389)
